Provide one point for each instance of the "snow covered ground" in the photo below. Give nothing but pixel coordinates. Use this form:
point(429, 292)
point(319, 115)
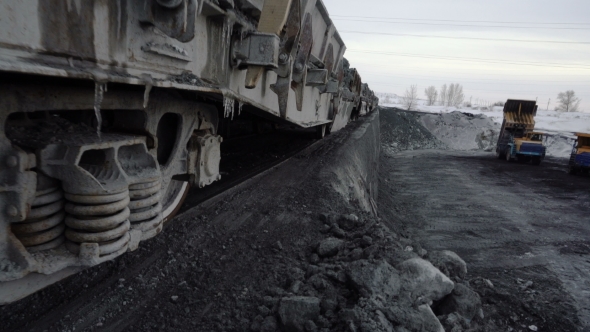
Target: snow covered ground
point(463, 132)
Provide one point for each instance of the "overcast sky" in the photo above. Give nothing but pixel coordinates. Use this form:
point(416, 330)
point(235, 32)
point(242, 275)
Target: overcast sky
point(490, 70)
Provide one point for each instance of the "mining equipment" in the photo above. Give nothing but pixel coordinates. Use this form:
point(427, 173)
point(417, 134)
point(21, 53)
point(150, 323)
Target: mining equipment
point(580, 157)
point(110, 110)
point(518, 140)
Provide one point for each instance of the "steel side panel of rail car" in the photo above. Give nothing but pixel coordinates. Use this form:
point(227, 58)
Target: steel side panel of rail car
point(108, 41)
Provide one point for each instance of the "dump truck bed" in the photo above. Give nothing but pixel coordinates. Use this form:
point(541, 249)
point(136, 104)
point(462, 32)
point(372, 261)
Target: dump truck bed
point(520, 114)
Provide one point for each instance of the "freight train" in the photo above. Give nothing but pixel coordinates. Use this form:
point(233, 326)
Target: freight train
point(110, 110)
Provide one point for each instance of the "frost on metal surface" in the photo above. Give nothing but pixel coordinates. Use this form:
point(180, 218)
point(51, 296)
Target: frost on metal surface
point(240, 105)
point(228, 106)
point(99, 90)
point(148, 88)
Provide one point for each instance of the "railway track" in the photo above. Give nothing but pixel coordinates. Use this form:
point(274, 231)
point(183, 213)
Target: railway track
point(249, 155)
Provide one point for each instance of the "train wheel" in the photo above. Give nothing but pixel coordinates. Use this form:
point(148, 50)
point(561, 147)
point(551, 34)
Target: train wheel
point(173, 199)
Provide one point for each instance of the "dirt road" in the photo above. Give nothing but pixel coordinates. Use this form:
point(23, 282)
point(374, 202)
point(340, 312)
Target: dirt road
point(524, 228)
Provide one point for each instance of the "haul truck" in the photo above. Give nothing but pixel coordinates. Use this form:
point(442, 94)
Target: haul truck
point(580, 158)
point(518, 140)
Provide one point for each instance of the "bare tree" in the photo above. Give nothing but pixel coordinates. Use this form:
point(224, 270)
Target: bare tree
point(443, 95)
point(568, 102)
point(431, 95)
point(454, 95)
point(458, 97)
point(411, 97)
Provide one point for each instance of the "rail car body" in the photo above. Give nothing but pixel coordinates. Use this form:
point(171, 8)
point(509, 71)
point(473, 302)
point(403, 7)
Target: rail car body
point(109, 110)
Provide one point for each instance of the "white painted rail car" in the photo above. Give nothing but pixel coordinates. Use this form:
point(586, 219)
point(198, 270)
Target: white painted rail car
point(109, 110)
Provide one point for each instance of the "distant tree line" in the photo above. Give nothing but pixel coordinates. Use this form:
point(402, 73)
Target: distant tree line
point(452, 96)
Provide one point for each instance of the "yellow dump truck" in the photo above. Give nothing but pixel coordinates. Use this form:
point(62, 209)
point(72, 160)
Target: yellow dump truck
point(580, 158)
point(518, 140)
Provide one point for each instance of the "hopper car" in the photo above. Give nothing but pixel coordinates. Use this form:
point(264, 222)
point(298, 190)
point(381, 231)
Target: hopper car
point(111, 110)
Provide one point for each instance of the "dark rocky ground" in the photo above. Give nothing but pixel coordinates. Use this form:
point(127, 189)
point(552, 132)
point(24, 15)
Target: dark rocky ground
point(300, 248)
point(522, 230)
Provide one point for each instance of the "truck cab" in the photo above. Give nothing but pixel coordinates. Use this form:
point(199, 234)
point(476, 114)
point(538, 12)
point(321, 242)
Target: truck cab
point(580, 157)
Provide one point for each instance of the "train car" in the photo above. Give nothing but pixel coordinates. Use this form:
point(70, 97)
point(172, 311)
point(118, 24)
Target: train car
point(350, 101)
point(110, 110)
point(368, 100)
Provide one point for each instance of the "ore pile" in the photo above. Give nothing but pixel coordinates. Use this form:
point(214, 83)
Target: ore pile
point(463, 131)
point(363, 277)
point(401, 131)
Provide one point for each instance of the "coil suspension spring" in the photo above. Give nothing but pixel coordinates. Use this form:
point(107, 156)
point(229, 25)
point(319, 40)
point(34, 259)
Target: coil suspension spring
point(102, 219)
point(43, 228)
point(146, 209)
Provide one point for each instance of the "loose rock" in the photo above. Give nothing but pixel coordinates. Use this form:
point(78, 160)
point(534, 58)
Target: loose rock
point(449, 263)
point(369, 279)
point(295, 311)
point(338, 232)
point(423, 282)
point(269, 324)
point(462, 300)
point(310, 326)
point(366, 241)
point(348, 221)
point(329, 247)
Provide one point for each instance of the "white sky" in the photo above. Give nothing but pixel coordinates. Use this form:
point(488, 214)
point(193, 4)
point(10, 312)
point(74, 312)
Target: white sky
point(558, 66)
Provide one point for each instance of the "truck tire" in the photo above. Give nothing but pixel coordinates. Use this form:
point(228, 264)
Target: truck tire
point(508, 156)
point(499, 155)
point(536, 161)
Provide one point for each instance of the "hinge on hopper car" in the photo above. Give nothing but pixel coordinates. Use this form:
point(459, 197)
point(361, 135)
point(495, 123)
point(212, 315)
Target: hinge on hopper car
point(174, 18)
point(256, 49)
point(252, 6)
point(331, 87)
point(288, 51)
point(316, 77)
point(301, 60)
